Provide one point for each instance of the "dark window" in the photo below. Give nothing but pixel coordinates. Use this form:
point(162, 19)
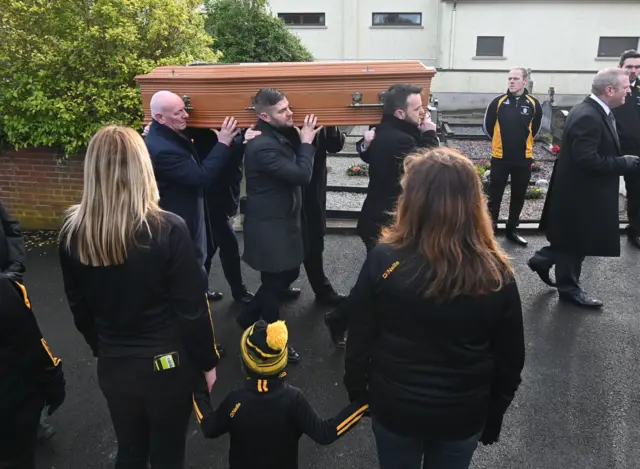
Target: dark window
point(615, 46)
point(304, 19)
point(490, 46)
point(397, 19)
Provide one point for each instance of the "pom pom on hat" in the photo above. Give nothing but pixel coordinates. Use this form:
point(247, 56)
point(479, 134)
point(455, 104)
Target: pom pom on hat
point(277, 335)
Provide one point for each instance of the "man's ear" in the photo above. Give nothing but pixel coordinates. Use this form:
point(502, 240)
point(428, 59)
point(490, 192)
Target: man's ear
point(400, 114)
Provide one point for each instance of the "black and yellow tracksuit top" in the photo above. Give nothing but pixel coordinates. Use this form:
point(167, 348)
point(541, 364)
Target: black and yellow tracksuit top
point(512, 123)
point(27, 366)
point(266, 419)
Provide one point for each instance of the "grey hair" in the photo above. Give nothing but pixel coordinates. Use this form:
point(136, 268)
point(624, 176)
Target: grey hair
point(606, 77)
point(158, 103)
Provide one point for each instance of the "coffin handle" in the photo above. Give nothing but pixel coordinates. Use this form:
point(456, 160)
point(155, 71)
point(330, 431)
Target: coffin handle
point(187, 102)
point(356, 101)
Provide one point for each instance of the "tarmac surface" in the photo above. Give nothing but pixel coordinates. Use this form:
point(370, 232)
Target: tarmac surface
point(578, 406)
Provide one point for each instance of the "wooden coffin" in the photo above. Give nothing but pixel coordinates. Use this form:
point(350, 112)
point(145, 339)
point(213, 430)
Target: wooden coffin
point(339, 93)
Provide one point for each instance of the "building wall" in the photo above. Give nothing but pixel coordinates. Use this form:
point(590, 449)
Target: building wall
point(36, 188)
point(544, 35)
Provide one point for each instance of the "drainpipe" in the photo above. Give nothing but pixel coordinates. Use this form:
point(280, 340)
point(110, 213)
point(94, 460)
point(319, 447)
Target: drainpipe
point(453, 34)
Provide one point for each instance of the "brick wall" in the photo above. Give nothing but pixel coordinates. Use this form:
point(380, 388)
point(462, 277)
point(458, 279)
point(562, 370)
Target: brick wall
point(37, 188)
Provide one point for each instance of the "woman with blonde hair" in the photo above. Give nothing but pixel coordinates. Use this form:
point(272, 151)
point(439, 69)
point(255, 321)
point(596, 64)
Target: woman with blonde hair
point(136, 293)
point(435, 322)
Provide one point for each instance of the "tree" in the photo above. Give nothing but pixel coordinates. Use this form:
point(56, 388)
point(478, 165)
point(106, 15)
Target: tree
point(68, 67)
point(246, 31)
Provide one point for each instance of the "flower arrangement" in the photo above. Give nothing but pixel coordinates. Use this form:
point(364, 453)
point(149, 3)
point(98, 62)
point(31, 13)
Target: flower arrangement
point(555, 149)
point(535, 167)
point(358, 170)
point(486, 164)
point(534, 193)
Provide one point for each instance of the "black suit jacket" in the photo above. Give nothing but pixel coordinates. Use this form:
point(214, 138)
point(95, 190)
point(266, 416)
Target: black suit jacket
point(12, 253)
point(182, 179)
point(275, 170)
point(628, 121)
point(582, 202)
point(395, 139)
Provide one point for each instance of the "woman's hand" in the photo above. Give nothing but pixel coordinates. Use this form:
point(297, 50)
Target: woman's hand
point(211, 377)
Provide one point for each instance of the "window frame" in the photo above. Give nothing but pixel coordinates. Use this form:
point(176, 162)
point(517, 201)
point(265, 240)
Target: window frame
point(616, 56)
point(396, 25)
point(301, 15)
point(501, 54)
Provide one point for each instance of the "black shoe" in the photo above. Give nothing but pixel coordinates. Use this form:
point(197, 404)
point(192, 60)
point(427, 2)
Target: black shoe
point(330, 299)
point(581, 299)
point(214, 295)
point(516, 238)
point(290, 294)
point(542, 272)
point(243, 297)
point(294, 357)
point(633, 238)
point(335, 331)
point(45, 431)
point(221, 350)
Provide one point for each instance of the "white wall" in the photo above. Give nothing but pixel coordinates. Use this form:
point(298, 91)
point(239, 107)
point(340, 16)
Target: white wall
point(560, 35)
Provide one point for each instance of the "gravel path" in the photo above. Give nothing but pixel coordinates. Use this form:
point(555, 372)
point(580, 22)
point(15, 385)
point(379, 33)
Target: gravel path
point(479, 149)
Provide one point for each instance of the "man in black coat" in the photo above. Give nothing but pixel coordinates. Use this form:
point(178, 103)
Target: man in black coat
point(221, 201)
point(581, 210)
point(314, 196)
point(628, 122)
point(275, 172)
point(181, 175)
point(12, 254)
point(403, 129)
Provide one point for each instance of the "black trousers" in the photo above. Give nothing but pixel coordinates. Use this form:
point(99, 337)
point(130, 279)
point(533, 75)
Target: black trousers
point(18, 434)
point(520, 176)
point(568, 268)
point(150, 410)
point(224, 238)
point(266, 302)
point(314, 265)
point(632, 183)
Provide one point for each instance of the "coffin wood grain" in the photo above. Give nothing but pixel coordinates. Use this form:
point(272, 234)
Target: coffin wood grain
point(321, 88)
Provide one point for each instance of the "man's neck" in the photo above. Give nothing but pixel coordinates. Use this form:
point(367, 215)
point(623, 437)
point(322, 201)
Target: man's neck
point(517, 94)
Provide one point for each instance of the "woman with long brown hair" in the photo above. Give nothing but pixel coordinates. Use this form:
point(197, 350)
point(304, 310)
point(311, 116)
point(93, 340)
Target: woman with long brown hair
point(435, 322)
point(137, 295)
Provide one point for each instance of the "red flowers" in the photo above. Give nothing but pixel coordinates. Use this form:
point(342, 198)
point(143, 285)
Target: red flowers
point(555, 149)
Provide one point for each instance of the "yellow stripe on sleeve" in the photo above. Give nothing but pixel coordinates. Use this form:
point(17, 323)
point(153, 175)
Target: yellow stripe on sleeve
point(351, 419)
point(195, 407)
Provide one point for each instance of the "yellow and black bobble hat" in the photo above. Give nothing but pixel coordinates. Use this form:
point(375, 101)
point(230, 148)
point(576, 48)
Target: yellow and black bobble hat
point(264, 348)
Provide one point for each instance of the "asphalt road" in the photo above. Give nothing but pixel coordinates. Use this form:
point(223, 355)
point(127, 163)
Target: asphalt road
point(578, 406)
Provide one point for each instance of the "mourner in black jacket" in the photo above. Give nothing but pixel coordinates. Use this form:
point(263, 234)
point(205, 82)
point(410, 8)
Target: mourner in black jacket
point(180, 175)
point(267, 417)
point(314, 197)
point(512, 121)
point(435, 335)
point(31, 377)
point(580, 214)
point(401, 131)
point(628, 126)
point(221, 205)
point(12, 254)
point(273, 232)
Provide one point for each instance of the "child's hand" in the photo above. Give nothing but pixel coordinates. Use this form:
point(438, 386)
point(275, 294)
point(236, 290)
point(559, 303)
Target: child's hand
point(211, 377)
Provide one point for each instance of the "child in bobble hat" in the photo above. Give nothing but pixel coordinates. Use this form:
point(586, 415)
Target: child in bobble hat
point(267, 418)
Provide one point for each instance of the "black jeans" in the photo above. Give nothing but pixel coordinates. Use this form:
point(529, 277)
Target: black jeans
point(150, 410)
point(400, 452)
point(520, 176)
point(224, 238)
point(632, 183)
point(568, 268)
point(18, 434)
point(266, 302)
point(314, 266)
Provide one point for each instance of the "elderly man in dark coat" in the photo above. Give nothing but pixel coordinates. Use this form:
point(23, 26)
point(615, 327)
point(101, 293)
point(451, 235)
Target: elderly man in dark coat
point(275, 169)
point(581, 210)
point(404, 128)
